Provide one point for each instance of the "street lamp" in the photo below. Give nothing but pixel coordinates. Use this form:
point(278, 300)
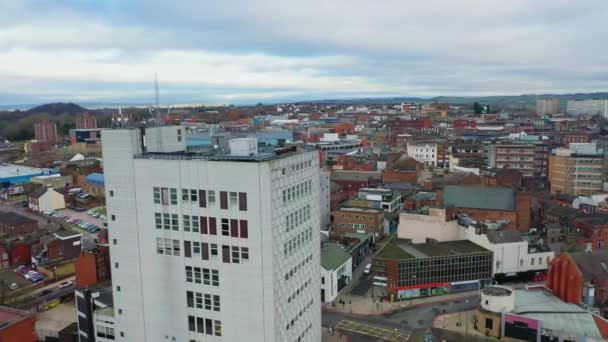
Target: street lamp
point(466, 324)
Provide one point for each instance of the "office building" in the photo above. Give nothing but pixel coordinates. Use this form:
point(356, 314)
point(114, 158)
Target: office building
point(95, 313)
point(86, 121)
point(578, 170)
point(220, 245)
point(46, 131)
point(591, 107)
point(547, 106)
point(404, 270)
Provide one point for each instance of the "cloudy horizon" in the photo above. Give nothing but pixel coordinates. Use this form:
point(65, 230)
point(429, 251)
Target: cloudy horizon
point(89, 51)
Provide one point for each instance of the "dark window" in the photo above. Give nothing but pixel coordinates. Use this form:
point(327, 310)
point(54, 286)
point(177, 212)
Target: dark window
point(187, 249)
point(191, 323)
point(212, 226)
point(204, 229)
point(208, 327)
point(244, 229)
point(234, 228)
point(202, 198)
point(223, 200)
point(165, 196)
point(113, 217)
point(225, 227)
point(111, 193)
point(322, 280)
point(205, 249)
point(226, 254)
point(199, 325)
point(489, 323)
point(190, 299)
point(242, 201)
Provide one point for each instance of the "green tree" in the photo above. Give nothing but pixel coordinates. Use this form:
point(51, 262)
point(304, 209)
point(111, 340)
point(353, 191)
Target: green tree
point(477, 108)
point(488, 110)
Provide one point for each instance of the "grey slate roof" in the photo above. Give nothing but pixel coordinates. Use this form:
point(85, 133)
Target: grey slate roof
point(333, 256)
point(477, 197)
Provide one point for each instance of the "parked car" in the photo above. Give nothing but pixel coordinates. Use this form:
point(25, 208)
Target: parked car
point(45, 292)
point(65, 284)
point(13, 286)
point(368, 269)
point(19, 268)
point(31, 274)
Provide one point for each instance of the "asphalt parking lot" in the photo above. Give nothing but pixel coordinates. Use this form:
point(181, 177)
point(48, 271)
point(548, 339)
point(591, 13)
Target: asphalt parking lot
point(82, 216)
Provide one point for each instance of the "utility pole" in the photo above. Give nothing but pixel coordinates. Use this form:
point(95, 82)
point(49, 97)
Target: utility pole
point(156, 99)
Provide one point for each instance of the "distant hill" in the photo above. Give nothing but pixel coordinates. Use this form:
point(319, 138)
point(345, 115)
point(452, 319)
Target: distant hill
point(58, 108)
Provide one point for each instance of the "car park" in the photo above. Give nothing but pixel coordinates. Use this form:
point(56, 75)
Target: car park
point(38, 278)
point(30, 275)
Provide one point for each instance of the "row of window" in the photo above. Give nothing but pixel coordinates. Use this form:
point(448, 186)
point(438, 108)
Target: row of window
point(297, 217)
point(204, 198)
point(297, 191)
point(105, 332)
point(206, 225)
point(297, 241)
point(209, 276)
point(357, 226)
point(297, 292)
point(239, 254)
point(297, 167)
point(301, 337)
point(167, 246)
point(203, 301)
point(299, 315)
point(205, 326)
point(295, 270)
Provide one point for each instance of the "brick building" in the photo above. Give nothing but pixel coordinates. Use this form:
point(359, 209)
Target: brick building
point(405, 125)
point(401, 169)
point(572, 275)
point(46, 131)
point(490, 204)
point(13, 224)
point(355, 163)
point(86, 121)
point(359, 220)
point(17, 325)
point(528, 156)
point(93, 267)
point(566, 138)
point(591, 231)
point(501, 177)
point(352, 181)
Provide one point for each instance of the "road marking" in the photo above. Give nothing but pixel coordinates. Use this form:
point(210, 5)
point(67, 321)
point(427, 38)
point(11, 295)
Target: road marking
point(370, 330)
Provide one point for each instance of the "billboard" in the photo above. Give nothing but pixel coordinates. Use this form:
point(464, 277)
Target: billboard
point(520, 327)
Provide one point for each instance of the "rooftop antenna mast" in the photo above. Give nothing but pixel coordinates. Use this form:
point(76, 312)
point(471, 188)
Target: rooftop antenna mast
point(158, 121)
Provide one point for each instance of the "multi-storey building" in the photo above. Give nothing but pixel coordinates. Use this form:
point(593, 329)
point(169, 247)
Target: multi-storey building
point(422, 152)
point(368, 221)
point(46, 131)
point(530, 157)
point(86, 121)
point(592, 107)
point(547, 106)
point(578, 170)
point(213, 246)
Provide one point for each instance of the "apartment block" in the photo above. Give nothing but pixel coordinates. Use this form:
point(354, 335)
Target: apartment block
point(578, 170)
point(46, 131)
point(86, 121)
point(591, 107)
point(213, 245)
point(547, 106)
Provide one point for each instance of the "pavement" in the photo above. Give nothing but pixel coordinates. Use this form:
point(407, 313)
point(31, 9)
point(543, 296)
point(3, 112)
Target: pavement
point(461, 322)
point(49, 322)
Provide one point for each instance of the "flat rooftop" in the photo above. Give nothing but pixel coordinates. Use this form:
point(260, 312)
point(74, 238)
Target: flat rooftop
point(11, 218)
point(404, 249)
point(11, 170)
point(212, 154)
point(360, 210)
point(8, 316)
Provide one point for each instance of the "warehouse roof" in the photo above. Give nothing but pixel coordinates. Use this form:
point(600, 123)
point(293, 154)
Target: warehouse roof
point(403, 249)
point(477, 197)
point(95, 179)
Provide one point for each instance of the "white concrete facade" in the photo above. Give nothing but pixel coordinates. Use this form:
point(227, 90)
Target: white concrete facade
point(329, 279)
point(257, 298)
point(433, 226)
point(590, 107)
point(423, 152)
point(511, 257)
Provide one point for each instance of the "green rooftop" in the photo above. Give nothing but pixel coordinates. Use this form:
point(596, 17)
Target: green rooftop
point(333, 256)
point(460, 247)
point(392, 251)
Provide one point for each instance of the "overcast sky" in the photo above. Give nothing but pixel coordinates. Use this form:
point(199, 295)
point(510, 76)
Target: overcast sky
point(273, 50)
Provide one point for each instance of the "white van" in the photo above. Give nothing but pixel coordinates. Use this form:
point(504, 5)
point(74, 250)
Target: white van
point(368, 269)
